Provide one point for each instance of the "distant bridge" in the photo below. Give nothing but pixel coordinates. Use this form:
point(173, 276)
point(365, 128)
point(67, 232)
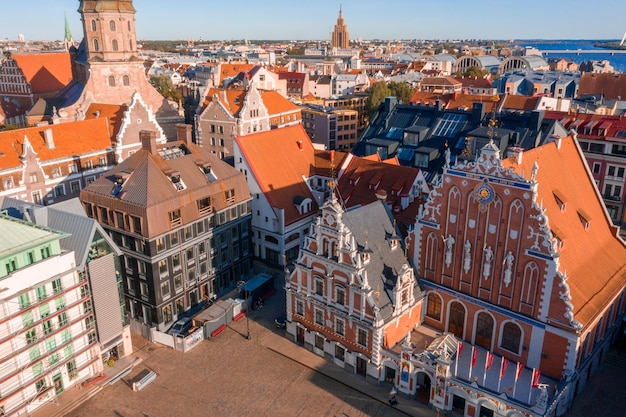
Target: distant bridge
point(583, 51)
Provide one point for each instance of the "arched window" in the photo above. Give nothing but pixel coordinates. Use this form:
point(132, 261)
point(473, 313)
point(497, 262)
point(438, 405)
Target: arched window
point(112, 25)
point(585, 348)
point(433, 306)
point(126, 80)
point(114, 45)
point(93, 25)
point(96, 45)
point(484, 330)
point(456, 321)
point(111, 81)
point(511, 337)
point(271, 239)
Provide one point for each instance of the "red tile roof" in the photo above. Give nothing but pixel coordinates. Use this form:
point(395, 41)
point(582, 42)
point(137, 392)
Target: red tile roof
point(611, 86)
point(46, 72)
point(363, 178)
point(72, 138)
point(593, 257)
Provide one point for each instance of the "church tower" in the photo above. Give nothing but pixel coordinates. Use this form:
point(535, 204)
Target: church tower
point(109, 28)
point(109, 67)
point(340, 38)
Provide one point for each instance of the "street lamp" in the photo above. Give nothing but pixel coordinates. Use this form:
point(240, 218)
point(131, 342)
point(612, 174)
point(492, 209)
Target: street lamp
point(248, 336)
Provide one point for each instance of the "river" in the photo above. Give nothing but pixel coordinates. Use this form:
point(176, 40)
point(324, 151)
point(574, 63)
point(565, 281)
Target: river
point(618, 61)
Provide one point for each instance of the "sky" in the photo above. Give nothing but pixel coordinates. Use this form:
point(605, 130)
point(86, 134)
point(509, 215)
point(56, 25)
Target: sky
point(366, 19)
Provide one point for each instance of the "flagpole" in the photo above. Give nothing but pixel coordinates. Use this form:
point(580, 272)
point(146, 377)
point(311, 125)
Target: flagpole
point(458, 357)
point(500, 374)
point(485, 373)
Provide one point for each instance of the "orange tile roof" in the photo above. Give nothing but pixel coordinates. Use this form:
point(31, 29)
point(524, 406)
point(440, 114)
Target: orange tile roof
point(113, 113)
point(72, 138)
point(232, 70)
point(277, 104)
point(611, 86)
point(46, 72)
point(279, 159)
point(233, 98)
point(593, 258)
point(423, 97)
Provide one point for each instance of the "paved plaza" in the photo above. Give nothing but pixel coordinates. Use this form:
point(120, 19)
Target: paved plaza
point(271, 376)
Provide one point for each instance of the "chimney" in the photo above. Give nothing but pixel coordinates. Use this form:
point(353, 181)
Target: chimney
point(148, 141)
point(332, 155)
point(47, 138)
point(381, 195)
point(183, 133)
point(299, 144)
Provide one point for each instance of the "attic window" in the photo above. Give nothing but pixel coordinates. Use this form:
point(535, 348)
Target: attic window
point(584, 219)
point(229, 195)
point(560, 200)
point(177, 181)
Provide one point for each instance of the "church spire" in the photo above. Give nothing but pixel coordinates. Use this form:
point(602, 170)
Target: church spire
point(68, 41)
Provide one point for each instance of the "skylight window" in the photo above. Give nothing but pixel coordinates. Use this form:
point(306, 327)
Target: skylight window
point(450, 125)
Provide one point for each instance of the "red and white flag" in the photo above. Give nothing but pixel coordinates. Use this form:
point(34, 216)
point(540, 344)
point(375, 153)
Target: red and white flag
point(518, 371)
point(459, 349)
point(474, 356)
point(503, 366)
point(536, 375)
point(488, 360)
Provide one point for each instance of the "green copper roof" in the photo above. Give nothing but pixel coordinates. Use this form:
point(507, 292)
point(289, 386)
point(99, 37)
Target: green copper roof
point(68, 34)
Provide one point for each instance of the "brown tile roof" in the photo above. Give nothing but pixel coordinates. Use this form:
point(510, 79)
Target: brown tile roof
point(515, 102)
point(149, 187)
point(611, 85)
point(474, 82)
point(113, 113)
point(450, 81)
point(466, 101)
point(72, 138)
point(279, 160)
point(46, 72)
point(426, 98)
point(593, 258)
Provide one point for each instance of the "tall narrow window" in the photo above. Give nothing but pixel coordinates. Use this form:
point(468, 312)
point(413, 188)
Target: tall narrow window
point(511, 337)
point(111, 81)
point(96, 45)
point(93, 25)
point(433, 306)
point(112, 25)
point(114, 45)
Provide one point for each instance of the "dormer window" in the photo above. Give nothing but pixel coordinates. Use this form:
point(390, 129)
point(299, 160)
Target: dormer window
point(205, 168)
point(584, 219)
point(177, 182)
point(560, 200)
point(120, 179)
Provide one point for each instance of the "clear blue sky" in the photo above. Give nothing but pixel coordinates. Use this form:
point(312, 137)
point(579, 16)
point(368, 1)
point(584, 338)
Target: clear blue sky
point(366, 19)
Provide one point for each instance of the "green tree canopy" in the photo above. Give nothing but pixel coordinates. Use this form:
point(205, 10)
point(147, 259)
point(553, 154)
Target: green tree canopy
point(381, 90)
point(164, 86)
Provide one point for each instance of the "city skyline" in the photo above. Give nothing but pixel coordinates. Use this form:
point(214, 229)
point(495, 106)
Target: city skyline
point(447, 19)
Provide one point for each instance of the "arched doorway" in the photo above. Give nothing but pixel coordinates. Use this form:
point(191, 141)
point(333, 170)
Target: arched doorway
point(456, 321)
point(422, 389)
point(484, 330)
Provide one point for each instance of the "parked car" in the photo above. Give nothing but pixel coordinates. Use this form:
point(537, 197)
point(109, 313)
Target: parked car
point(181, 326)
point(281, 321)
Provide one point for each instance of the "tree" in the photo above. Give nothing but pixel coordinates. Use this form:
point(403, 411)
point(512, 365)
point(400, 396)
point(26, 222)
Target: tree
point(164, 86)
point(473, 72)
point(378, 93)
point(402, 91)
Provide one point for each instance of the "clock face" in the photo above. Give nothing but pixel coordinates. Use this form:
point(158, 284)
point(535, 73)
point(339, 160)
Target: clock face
point(484, 193)
point(330, 219)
